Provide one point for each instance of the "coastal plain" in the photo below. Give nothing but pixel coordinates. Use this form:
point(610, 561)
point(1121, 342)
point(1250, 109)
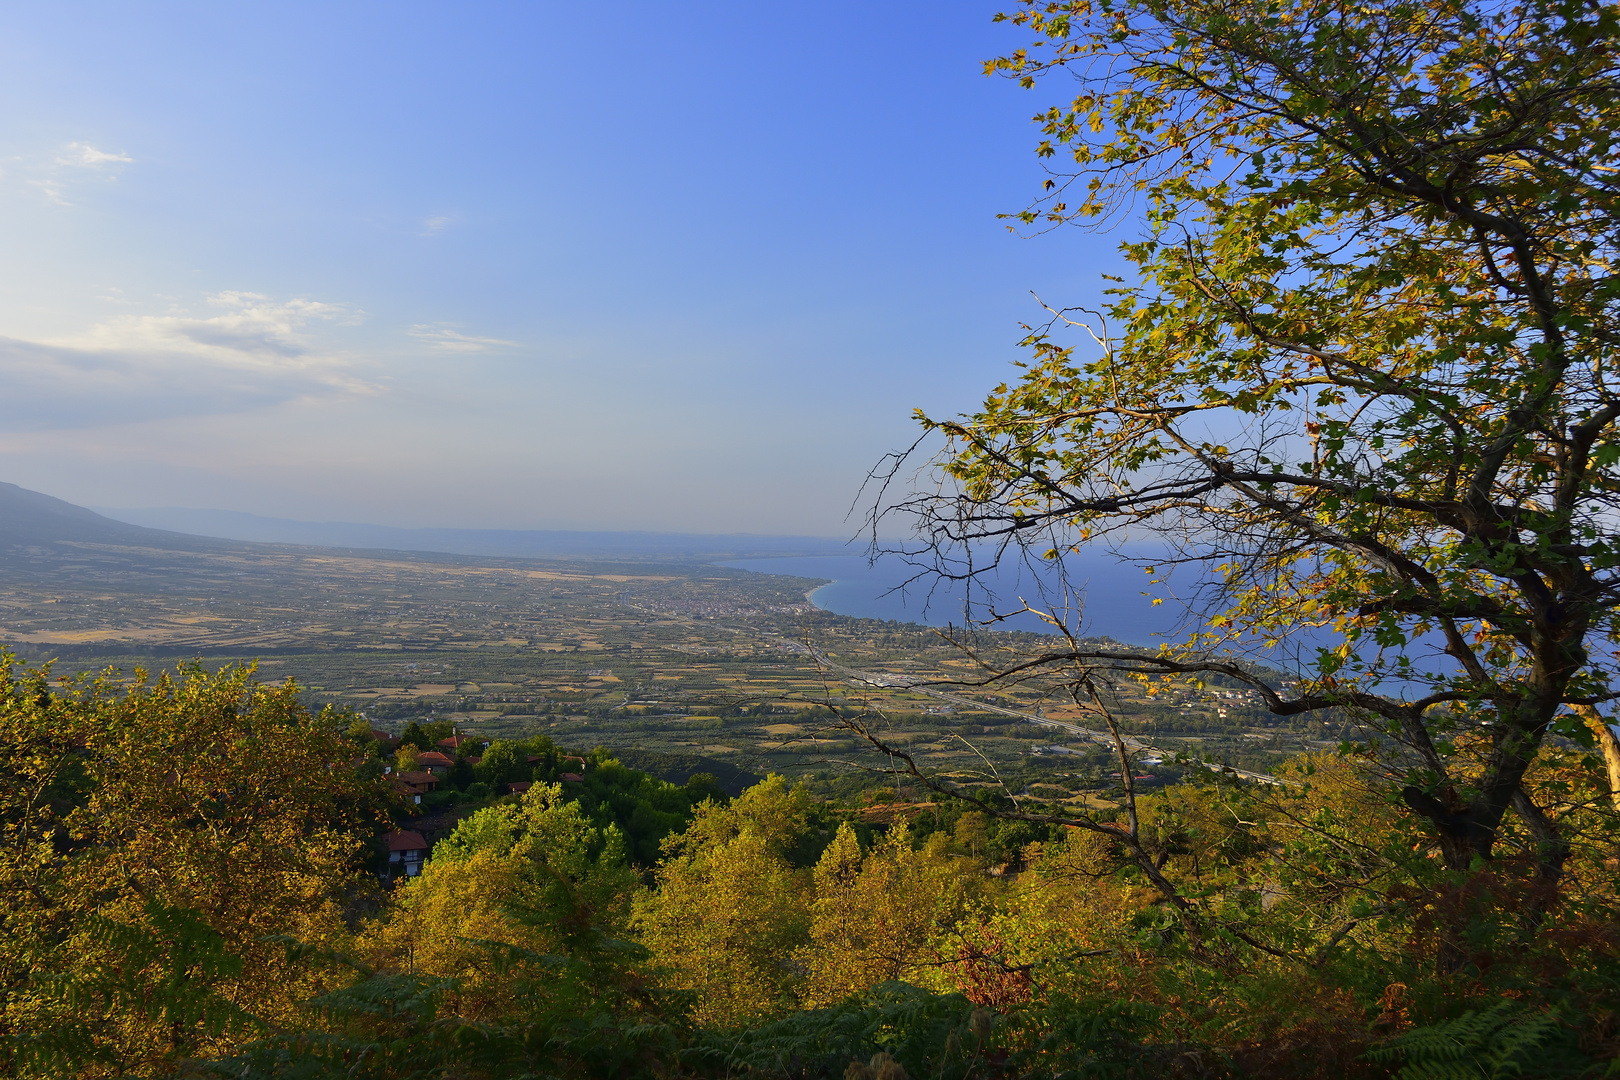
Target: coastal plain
point(678, 666)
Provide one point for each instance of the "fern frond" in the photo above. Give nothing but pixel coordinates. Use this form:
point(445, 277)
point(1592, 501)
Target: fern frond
point(1498, 1043)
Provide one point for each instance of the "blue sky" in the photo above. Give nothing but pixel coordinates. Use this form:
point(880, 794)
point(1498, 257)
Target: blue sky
point(678, 267)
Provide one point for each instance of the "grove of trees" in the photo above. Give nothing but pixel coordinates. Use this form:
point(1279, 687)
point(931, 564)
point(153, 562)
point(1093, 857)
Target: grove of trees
point(190, 865)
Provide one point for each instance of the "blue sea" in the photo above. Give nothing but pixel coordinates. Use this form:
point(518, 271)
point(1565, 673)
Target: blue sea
point(1108, 598)
point(1112, 598)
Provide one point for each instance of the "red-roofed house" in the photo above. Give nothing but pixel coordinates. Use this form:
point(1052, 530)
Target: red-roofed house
point(571, 778)
point(455, 743)
point(436, 763)
point(414, 785)
point(407, 851)
point(518, 787)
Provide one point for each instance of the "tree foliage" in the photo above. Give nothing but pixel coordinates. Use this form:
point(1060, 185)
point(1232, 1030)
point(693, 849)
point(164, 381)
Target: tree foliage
point(530, 945)
point(1364, 378)
point(887, 917)
point(159, 830)
point(730, 909)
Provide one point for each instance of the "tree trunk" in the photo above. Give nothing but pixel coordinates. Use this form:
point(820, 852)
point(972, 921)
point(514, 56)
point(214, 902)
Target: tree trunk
point(1607, 743)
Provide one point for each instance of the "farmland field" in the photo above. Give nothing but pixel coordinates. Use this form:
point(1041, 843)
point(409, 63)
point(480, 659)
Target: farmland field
point(684, 660)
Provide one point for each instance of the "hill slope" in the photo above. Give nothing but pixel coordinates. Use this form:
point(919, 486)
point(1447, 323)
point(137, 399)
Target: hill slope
point(31, 519)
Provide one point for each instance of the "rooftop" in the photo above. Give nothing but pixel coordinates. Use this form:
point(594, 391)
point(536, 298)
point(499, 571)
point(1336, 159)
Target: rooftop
point(406, 841)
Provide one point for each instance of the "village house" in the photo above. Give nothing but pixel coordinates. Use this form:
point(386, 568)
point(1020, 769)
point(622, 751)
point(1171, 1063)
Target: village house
point(436, 763)
point(407, 851)
point(414, 785)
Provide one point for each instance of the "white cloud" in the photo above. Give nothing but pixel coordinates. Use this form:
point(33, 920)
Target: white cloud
point(86, 156)
point(433, 226)
point(251, 352)
point(58, 175)
point(52, 190)
point(444, 337)
point(251, 332)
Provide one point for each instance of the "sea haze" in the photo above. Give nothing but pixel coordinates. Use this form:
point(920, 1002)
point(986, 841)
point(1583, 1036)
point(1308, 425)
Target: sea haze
point(489, 543)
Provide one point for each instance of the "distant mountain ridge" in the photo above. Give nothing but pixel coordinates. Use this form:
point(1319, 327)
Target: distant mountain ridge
point(492, 543)
point(32, 519)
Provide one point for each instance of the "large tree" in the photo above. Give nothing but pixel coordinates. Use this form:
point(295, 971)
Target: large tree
point(1364, 376)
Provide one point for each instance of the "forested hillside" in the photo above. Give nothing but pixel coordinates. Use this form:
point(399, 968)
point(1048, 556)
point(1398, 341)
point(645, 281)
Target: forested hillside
point(196, 883)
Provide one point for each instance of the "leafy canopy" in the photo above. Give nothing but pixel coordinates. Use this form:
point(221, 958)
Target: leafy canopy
point(1364, 377)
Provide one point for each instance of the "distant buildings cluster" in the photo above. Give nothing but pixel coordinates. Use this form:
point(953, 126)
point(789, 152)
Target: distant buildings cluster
point(408, 850)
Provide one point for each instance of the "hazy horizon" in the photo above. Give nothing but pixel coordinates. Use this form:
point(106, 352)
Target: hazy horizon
point(142, 515)
point(498, 543)
point(432, 267)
